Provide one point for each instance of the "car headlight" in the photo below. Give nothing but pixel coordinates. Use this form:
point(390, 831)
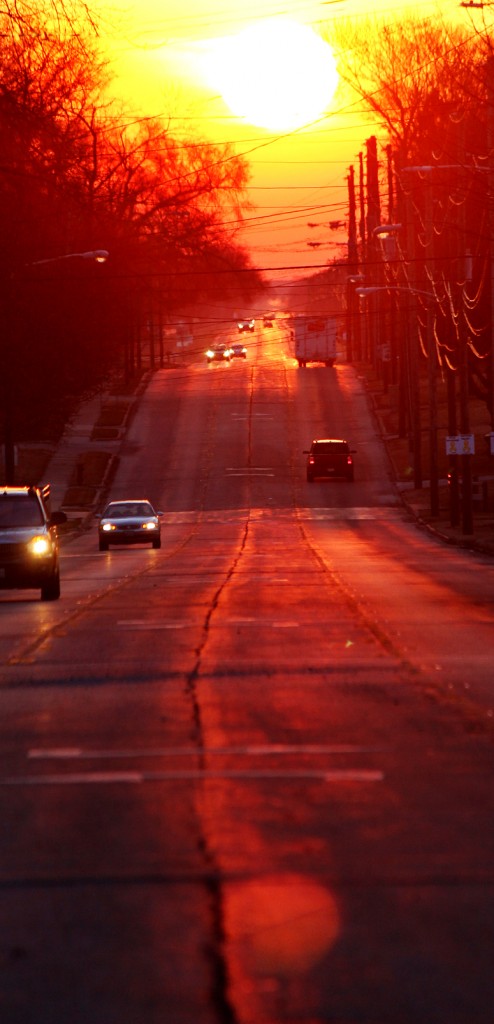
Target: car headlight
point(107, 527)
point(149, 526)
point(40, 545)
point(209, 354)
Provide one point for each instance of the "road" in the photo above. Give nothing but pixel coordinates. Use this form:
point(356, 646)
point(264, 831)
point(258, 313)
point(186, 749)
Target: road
point(247, 778)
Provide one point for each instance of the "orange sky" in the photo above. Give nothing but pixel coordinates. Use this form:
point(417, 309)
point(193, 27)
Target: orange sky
point(298, 177)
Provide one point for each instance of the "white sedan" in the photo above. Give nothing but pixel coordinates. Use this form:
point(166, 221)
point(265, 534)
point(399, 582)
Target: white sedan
point(129, 522)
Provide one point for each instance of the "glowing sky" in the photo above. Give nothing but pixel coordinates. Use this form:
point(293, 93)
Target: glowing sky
point(298, 176)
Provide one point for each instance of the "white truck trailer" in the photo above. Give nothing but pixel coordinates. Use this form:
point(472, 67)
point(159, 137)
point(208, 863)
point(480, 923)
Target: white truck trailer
point(314, 339)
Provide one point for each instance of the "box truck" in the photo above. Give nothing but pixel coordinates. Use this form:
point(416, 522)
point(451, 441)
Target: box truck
point(314, 339)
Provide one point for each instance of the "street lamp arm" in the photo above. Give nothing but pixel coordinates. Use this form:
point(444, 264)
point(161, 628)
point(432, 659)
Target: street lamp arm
point(386, 229)
point(363, 292)
point(98, 255)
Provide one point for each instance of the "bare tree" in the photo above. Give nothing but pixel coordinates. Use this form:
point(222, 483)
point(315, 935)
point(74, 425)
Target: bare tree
point(78, 173)
point(411, 74)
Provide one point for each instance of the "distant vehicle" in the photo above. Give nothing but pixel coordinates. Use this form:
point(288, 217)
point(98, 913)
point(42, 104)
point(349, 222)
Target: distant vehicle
point(329, 457)
point(246, 324)
point(315, 340)
point(28, 541)
point(267, 320)
point(129, 522)
point(238, 350)
point(218, 354)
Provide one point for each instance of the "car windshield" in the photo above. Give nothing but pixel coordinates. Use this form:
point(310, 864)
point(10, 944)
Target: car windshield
point(21, 510)
point(128, 508)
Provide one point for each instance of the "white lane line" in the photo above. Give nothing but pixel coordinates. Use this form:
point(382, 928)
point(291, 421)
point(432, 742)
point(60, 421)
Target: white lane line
point(263, 750)
point(110, 778)
point(73, 779)
point(249, 472)
point(143, 624)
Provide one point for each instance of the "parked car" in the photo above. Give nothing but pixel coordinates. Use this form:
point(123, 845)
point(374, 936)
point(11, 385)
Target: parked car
point(329, 457)
point(238, 351)
point(129, 522)
point(29, 549)
point(218, 353)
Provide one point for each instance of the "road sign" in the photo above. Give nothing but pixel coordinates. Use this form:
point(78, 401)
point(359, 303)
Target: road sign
point(460, 444)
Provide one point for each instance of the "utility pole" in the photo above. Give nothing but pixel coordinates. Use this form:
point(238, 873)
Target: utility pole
point(490, 142)
point(352, 263)
point(373, 220)
point(432, 354)
point(466, 463)
point(413, 367)
point(362, 231)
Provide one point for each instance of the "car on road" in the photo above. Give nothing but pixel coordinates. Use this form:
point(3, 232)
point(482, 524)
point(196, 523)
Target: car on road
point(329, 457)
point(246, 324)
point(238, 351)
point(29, 548)
point(218, 353)
point(129, 522)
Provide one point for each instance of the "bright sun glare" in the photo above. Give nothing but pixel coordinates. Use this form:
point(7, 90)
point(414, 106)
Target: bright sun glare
point(276, 74)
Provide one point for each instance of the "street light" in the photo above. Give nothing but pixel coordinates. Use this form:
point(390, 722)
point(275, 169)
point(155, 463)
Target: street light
point(386, 229)
point(362, 292)
point(94, 255)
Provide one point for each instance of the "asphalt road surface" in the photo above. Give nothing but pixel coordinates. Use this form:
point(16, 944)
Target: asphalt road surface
point(247, 778)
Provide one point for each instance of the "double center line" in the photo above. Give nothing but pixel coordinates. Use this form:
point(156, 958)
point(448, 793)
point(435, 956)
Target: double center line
point(70, 755)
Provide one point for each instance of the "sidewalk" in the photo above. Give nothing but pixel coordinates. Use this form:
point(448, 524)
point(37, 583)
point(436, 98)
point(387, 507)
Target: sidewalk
point(85, 459)
point(75, 442)
point(418, 503)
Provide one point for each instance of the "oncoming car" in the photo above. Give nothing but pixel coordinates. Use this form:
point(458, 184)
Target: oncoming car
point(29, 547)
point(218, 354)
point(329, 457)
point(246, 324)
point(238, 351)
point(129, 522)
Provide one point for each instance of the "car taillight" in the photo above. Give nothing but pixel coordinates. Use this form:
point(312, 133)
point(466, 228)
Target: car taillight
point(311, 460)
point(349, 460)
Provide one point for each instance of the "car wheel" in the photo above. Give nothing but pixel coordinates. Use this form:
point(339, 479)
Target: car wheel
point(50, 591)
point(103, 544)
point(156, 542)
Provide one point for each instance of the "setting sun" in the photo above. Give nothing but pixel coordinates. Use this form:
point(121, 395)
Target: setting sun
point(277, 74)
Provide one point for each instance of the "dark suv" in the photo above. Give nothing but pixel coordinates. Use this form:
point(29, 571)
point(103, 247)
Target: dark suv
point(29, 542)
point(329, 457)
